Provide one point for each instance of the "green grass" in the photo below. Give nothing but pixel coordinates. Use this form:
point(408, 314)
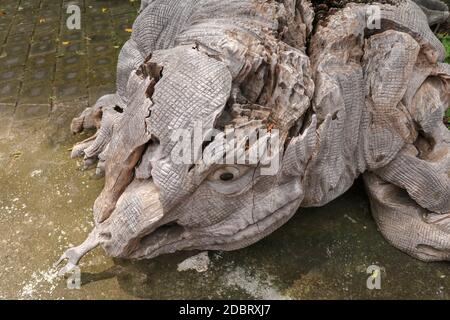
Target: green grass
point(445, 39)
point(447, 117)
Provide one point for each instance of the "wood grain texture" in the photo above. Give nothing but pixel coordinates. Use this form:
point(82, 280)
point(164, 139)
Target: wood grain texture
point(347, 101)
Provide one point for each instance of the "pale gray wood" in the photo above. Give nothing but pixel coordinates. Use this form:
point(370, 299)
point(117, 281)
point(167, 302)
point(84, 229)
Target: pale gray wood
point(346, 100)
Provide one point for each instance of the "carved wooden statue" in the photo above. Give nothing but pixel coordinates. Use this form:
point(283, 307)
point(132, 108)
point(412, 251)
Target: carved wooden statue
point(352, 88)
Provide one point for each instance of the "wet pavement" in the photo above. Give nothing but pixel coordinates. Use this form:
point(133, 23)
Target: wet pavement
point(44, 63)
point(47, 76)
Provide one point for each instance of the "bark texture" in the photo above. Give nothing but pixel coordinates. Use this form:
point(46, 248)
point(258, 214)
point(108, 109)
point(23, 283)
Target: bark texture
point(346, 99)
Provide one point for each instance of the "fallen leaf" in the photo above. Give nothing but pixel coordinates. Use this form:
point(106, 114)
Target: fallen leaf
point(129, 30)
point(104, 10)
point(16, 154)
point(375, 274)
point(66, 43)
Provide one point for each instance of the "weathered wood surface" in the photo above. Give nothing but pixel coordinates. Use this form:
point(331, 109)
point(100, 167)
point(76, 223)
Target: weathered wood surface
point(347, 100)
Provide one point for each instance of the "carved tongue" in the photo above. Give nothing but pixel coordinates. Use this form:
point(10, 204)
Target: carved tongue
point(137, 214)
point(125, 150)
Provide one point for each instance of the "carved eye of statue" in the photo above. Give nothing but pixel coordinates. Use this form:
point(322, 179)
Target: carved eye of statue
point(231, 179)
point(227, 176)
point(228, 173)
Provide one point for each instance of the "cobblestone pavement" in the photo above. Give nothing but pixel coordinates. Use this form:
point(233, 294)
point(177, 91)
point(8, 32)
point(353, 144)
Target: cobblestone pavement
point(44, 65)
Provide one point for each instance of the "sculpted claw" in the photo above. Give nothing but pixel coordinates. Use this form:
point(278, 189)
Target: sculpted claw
point(73, 255)
point(72, 261)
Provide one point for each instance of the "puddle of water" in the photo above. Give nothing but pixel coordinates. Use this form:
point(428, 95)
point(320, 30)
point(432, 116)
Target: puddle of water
point(45, 207)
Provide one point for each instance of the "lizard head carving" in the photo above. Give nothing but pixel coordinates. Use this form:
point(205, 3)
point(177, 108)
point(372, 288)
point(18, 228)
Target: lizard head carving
point(302, 108)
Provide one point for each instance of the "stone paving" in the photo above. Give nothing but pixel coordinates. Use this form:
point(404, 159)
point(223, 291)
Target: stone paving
point(46, 68)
